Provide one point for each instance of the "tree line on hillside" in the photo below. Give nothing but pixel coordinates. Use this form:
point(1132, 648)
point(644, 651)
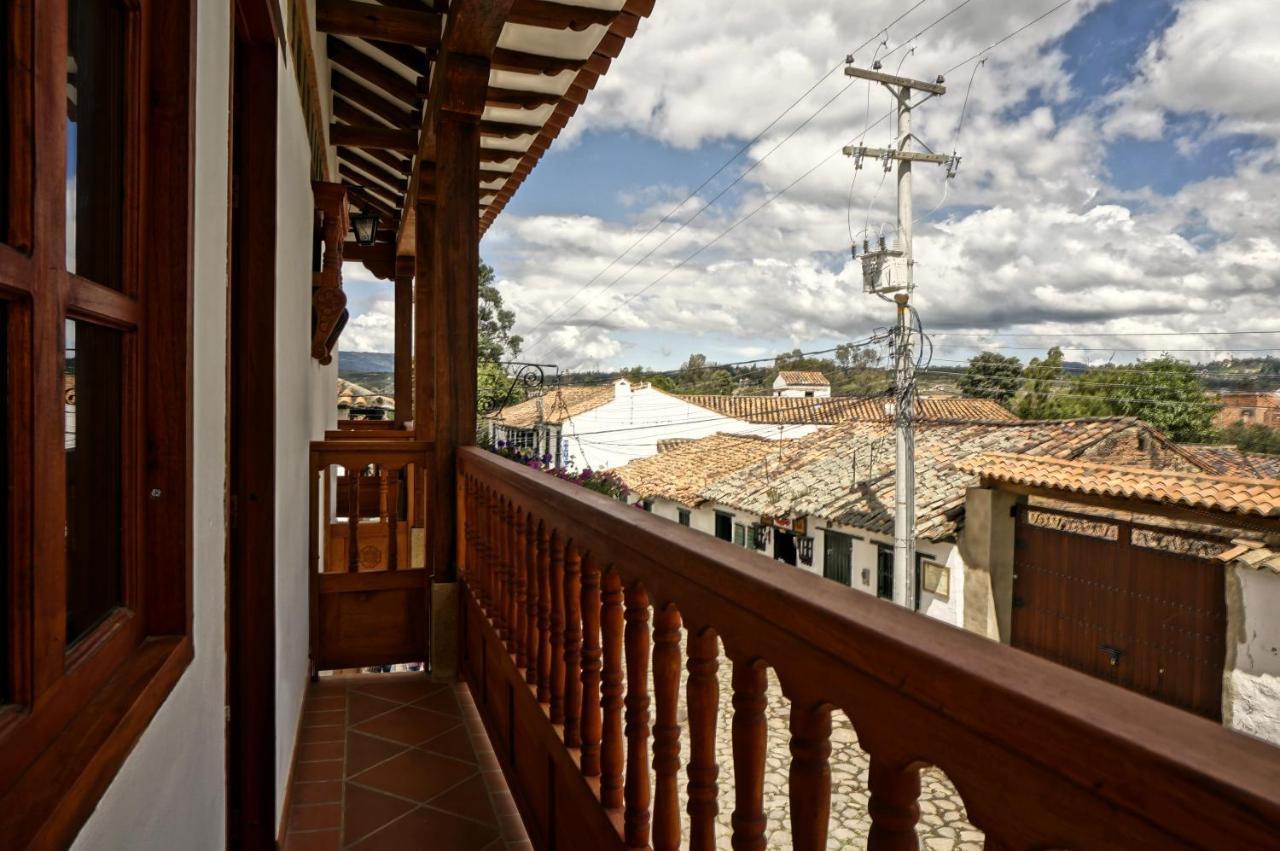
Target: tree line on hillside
point(1170, 394)
point(852, 370)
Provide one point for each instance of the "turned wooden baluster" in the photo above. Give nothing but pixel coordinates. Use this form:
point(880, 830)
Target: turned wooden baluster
point(666, 730)
point(484, 542)
point(511, 599)
point(809, 783)
point(591, 666)
point(611, 751)
point(519, 600)
point(499, 612)
point(557, 629)
point(572, 647)
point(544, 614)
point(894, 806)
point(533, 590)
point(750, 740)
point(353, 520)
point(636, 795)
point(391, 488)
point(703, 692)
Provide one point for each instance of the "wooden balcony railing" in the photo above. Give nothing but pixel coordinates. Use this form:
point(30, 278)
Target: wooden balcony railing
point(569, 597)
point(369, 585)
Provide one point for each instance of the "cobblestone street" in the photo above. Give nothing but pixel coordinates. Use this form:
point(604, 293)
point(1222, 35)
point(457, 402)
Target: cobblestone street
point(943, 824)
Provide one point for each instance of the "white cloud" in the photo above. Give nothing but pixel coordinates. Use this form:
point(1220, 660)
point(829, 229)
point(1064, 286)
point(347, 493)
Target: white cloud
point(374, 330)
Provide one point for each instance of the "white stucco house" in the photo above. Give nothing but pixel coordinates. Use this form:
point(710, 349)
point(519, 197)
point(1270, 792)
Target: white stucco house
point(801, 384)
point(605, 426)
point(599, 427)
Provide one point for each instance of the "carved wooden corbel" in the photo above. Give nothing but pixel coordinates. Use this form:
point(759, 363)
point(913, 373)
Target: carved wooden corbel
point(328, 301)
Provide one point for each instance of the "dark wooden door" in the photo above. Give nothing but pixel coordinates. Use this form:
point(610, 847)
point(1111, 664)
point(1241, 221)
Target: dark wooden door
point(1141, 607)
point(837, 557)
point(884, 573)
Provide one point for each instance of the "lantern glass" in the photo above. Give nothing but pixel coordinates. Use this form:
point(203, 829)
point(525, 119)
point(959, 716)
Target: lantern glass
point(366, 228)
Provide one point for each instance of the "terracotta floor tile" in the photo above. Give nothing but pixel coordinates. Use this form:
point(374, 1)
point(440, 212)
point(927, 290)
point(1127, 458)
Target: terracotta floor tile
point(365, 751)
point(455, 744)
point(417, 775)
point(309, 772)
point(441, 701)
point(323, 717)
point(316, 817)
point(317, 793)
point(408, 724)
point(312, 751)
point(404, 689)
point(332, 701)
point(367, 811)
point(362, 707)
point(327, 733)
point(320, 840)
point(424, 828)
point(470, 798)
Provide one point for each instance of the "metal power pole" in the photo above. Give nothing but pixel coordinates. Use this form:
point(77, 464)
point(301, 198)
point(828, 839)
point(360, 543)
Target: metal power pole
point(891, 269)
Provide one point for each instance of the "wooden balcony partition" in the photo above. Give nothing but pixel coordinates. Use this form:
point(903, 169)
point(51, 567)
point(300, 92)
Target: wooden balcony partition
point(570, 599)
point(369, 584)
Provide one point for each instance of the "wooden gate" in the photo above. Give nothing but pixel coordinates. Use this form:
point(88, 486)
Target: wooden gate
point(369, 587)
point(1141, 606)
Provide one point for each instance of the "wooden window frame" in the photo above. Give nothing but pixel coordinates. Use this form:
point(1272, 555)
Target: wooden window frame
point(77, 713)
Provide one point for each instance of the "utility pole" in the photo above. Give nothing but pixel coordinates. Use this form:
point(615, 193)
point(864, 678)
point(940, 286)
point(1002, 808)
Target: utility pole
point(891, 270)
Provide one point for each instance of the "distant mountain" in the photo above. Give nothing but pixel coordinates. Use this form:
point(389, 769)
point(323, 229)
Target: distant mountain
point(365, 363)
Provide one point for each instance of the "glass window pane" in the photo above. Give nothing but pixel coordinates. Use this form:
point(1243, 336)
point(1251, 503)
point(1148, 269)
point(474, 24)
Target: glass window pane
point(92, 437)
point(95, 139)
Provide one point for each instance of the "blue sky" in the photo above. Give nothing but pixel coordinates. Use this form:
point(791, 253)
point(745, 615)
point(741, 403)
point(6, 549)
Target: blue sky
point(1107, 189)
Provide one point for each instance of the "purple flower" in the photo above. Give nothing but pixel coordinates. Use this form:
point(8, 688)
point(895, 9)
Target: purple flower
point(502, 444)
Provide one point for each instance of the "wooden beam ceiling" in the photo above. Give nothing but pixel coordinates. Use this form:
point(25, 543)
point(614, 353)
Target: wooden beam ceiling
point(369, 136)
point(558, 16)
point(359, 159)
point(372, 102)
point(373, 72)
point(532, 63)
point(421, 28)
point(515, 99)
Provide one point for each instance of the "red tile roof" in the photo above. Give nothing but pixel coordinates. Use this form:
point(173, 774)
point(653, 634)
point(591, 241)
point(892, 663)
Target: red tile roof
point(1229, 494)
point(780, 410)
point(804, 378)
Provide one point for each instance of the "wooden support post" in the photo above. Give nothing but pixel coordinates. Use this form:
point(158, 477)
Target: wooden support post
point(404, 341)
point(666, 730)
point(703, 706)
point(809, 784)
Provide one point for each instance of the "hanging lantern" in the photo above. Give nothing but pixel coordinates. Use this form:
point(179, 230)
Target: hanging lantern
point(366, 228)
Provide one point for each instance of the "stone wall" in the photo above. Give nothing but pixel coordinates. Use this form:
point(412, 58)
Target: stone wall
point(1251, 677)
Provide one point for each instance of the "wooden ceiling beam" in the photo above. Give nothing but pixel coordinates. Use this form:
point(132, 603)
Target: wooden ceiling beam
point(532, 63)
point(367, 136)
point(487, 174)
point(372, 192)
point(367, 203)
point(558, 16)
point(373, 72)
point(395, 162)
point(368, 99)
point(494, 155)
point(516, 99)
point(365, 20)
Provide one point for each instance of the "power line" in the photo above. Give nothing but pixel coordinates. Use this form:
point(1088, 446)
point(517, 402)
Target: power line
point(1016, 32)
point(742, 150)
point(1097, 333)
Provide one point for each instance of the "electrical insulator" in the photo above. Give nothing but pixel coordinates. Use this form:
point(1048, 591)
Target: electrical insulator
point(866, 246)
point(882, 243)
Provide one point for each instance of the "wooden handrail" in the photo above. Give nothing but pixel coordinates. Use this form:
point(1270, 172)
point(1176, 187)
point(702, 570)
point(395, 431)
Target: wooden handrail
point(1042, 756)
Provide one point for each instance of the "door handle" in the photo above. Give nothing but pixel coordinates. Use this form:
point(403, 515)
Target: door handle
point(1113, 652)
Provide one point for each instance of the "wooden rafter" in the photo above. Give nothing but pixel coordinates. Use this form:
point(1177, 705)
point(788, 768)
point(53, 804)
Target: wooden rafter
point(507, 129)
point(411, 57)
point(373, 102)
point(373, 72)
point(421, 28)
point(532, 63)
point(395, 162)
point(358, 159)
point(516, 99)
point(365, 135)
point(558, 16)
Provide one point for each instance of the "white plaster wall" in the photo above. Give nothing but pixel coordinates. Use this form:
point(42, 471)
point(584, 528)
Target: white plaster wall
point(171, 791)
point(631, 425)
point(1251, 687)
point(304, 407)
point(948, 609)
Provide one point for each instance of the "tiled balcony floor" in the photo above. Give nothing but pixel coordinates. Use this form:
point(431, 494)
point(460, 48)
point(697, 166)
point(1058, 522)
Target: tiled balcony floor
point(388, 762)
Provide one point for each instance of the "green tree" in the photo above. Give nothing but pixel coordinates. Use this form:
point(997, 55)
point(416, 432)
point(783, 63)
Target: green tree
point(1251, 437)
point(496, 342)
point(1167, 393)
point(1036, 399)
point(992, 376)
